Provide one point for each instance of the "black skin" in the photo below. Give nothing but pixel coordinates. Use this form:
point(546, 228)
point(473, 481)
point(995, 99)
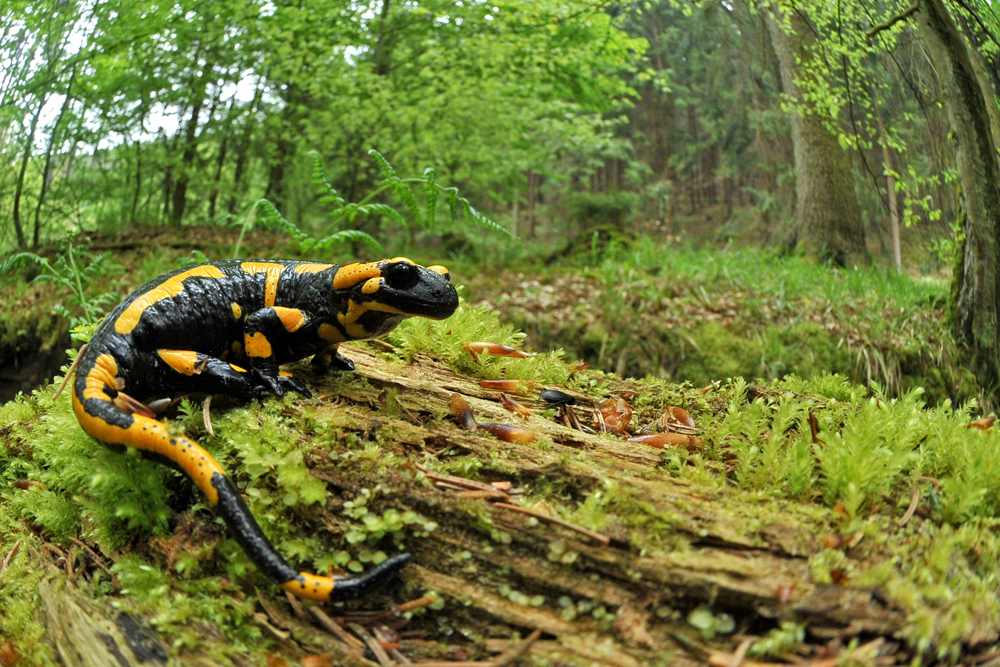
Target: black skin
point(215, 333)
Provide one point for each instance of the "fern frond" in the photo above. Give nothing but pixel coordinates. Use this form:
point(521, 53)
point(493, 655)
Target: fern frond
point(431, 195)
point(472, 215)
point(348, 236)
point(385, 170)
point(405, 195)
point(271, 218)
point(323, 187)
point(22, 259)
point(386, 212)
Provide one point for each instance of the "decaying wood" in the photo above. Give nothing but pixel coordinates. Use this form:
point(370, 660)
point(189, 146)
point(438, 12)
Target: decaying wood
point(477, 557)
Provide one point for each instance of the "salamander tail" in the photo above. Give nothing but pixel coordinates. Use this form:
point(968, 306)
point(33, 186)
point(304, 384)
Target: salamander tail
point(247, 532)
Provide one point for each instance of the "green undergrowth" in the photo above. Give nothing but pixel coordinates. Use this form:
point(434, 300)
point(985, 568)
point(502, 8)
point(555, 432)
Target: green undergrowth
point(862, 460)
point(698, 314)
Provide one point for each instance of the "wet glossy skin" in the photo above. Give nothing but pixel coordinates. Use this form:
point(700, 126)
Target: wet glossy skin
point(226, 327)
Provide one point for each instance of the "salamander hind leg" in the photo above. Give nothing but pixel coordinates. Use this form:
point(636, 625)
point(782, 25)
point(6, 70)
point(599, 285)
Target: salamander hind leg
point(331, 359)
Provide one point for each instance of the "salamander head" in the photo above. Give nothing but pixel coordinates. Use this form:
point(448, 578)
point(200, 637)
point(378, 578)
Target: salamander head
point(394, 289)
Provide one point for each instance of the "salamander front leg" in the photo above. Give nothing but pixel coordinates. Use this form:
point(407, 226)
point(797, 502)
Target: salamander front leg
point(265, 332)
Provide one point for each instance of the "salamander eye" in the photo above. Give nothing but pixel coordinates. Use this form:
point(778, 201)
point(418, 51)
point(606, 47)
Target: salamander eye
point(401, 275)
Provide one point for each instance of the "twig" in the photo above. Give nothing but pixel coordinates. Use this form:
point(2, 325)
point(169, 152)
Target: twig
point(907, 13)
point(206, 414)
point(936, 483)
point(914, 502)
point(741, 652)
point(373, 644)
point(261, 620)
point(603, 539)
point(70, 372)
point(334, 629)
point(600, 419)
point(403, 608)
point(98, 560)
point(10, 556)
point(384, 635)
point(296, 606)
point(512, 656)
point(459, 481)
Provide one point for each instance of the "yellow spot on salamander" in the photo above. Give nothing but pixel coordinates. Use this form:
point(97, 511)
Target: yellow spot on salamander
point(103, 373)
point(312, 268)
point(170, 287)
point(182, 361)
point(284, 374)
point(331, 334)
point(291, 318)
point(354, 312)
point(371, 285)
point(237, 311)
point(310, 586)
point(257, 345)
point(273, 272)
point(407, 260)
point(352, 274)
point(437, 268)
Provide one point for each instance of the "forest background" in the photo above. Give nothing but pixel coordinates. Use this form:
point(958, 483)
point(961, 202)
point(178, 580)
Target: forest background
point(589, 130)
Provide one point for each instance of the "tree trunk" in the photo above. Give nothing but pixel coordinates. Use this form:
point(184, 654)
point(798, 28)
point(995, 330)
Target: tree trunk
point(29, 144)
point(828, 222)
point(220, 160)
point(976, 289)
point(179, 195)
point(48, 173)
point(243, 152)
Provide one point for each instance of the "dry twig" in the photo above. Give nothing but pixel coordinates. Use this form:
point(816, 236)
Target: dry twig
point(206, 414)
point(914, 503)
point(334, 629)
point(373, 644)
point(603, 539)
point(70, 373)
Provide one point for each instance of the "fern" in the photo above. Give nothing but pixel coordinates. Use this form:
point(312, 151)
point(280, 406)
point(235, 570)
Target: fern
point(347, 213)
point(73, 270)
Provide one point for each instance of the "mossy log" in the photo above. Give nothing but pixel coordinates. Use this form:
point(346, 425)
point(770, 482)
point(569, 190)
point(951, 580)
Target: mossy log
point(672, 546)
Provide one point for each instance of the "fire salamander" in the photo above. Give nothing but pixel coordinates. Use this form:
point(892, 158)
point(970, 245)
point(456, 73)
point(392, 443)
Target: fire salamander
point(226, 327)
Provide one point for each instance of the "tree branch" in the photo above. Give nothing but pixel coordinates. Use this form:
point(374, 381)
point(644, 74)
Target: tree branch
point(913, 9)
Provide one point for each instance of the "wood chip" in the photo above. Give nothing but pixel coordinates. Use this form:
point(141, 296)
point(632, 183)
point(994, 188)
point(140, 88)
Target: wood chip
point(603, 539)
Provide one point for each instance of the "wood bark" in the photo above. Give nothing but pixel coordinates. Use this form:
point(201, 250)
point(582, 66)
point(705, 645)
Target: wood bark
point(828, 222)
point(976, 287)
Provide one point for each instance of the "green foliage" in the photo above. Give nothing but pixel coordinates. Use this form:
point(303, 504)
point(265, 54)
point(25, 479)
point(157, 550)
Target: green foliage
point(445, 339)
point(349, 213)
point(73, 270)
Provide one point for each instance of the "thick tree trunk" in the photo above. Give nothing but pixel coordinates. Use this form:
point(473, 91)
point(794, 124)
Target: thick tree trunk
point(828, 222)
point(977, 278)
